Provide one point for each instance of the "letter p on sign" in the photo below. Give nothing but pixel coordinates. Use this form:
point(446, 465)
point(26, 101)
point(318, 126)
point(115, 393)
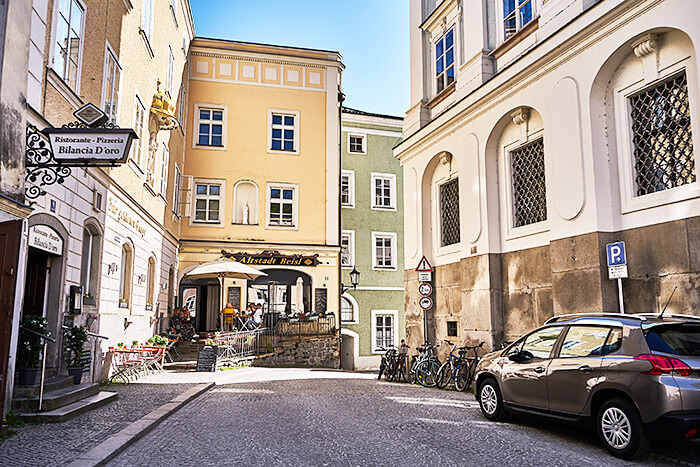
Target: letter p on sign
point(616, 254)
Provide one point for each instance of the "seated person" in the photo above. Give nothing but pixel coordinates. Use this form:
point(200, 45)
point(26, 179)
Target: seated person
point(258, 315)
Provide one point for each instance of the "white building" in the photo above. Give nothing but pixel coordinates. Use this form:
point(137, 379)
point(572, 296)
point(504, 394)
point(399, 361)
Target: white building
point(540, 131)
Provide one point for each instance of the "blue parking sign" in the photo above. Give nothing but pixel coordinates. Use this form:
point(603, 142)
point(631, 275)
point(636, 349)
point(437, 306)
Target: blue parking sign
point(616, 254)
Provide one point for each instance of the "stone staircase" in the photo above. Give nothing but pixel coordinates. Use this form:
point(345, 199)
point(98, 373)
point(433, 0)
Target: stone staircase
point(62, 400)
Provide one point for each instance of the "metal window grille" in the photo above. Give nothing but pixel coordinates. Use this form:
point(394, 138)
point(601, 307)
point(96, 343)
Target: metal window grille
point(663, 143)
point(449, 212)
point(529, 187)
point(452, 328)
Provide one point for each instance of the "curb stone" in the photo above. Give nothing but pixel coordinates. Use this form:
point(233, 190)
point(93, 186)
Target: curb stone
point(115, 445)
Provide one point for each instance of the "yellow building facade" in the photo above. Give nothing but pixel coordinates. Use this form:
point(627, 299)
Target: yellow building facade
point(261, 176)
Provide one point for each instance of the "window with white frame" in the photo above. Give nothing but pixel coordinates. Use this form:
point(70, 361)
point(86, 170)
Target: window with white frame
point(68, 42)
point(126, 274)
point(138, 145)
point(147, 20)
point(517, 14)
point(284, 131)
point(173, 9)
point(384, 329)
point(281, 205)
point(347, 249)
point(347, 310)
point(445, 60)
point(661, 136)
point(207, 202)
point(110, 91)
point(171, 71)
point(90, 261)
point(176, 191)
point(164, 170)
point(211, 122)
point(528, 183)
point(384, 250)
point(449, 212)
point(347, 189)
point(356, 144)
point(383, 191)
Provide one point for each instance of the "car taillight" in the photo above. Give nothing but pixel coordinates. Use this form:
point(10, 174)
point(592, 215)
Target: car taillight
point(662, 365)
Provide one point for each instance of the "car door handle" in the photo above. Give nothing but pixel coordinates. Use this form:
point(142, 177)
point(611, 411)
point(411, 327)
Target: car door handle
point(539, 369)
point(585, 369)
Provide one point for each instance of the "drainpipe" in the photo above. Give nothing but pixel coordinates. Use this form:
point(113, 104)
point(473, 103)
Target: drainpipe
point(341, 98)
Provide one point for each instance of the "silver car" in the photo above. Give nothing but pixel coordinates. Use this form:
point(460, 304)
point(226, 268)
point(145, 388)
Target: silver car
point(634, 376)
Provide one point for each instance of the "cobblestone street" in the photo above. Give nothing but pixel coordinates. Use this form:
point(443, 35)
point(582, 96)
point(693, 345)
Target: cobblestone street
point(258, 416)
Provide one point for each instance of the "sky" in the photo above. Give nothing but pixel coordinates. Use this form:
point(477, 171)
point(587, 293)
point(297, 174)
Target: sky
point(371, 36)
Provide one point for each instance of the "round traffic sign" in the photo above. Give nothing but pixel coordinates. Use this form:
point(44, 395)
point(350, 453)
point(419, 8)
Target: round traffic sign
point(425, 288)
point(426, 303)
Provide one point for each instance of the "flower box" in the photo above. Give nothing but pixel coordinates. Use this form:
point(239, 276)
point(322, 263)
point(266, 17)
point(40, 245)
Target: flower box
point(123, 304)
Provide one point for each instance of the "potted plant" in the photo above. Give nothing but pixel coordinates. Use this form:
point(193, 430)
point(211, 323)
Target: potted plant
point(123, 303)
point(29, 348)
point(120, 345)
point(134, 343)
point(76, 336)
point(149, 306)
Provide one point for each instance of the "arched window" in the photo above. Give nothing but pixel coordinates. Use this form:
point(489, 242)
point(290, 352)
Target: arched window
point(126, 273)
point(171, 287)
point(150, 280)
point(348, 309)
point(90, 263)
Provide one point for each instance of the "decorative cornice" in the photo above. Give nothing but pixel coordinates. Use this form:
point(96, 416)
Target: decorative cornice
point(14, 208)
point(261, 60)
point(645, 45)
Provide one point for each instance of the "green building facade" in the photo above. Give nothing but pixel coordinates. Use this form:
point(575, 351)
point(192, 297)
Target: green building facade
point(372, 238)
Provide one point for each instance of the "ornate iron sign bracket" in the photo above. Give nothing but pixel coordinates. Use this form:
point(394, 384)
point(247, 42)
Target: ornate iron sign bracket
point(42, 167)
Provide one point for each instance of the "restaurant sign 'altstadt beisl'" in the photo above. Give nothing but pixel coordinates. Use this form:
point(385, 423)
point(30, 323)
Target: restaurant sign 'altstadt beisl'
point(273, 258)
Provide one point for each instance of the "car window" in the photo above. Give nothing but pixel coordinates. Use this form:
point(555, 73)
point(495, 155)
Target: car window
point(540, 343)
point(678, 339)
point(583, 341)
point(614, 341)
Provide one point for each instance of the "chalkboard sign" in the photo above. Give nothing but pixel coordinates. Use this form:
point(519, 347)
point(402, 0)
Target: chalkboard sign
point(234, 297)
point(206, 357)
point(321, 299)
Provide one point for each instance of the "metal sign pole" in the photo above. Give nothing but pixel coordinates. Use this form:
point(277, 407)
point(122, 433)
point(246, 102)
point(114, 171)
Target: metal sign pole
point(619, 292)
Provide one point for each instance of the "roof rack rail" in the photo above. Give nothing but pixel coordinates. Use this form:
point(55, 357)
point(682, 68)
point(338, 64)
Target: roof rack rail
point(557, 318)
point(672, 315)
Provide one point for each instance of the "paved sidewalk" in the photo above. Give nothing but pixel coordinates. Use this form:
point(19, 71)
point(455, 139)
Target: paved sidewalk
point(60, 443)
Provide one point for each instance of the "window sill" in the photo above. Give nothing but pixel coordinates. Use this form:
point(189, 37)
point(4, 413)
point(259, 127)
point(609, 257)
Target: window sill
point(283, 153)
point(348, 206)
point(135, 167)
point(442, 95)
point(516, 38)
point(237, 223)
point(206, 222)
point(383, 208)
point(150, 189)
point(527, 230)
point(281, 227)
point(210, 146)
point(62, 87)
point(376, 268)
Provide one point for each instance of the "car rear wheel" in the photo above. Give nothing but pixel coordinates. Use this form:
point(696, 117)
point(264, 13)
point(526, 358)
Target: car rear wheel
point(490, 400)
point(621, 430)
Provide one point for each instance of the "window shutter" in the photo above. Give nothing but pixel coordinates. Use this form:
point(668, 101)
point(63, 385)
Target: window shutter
point(185, 197)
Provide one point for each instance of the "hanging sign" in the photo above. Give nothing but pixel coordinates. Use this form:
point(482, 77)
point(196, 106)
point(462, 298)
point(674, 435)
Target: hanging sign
point(90, 146)
point(45, 238)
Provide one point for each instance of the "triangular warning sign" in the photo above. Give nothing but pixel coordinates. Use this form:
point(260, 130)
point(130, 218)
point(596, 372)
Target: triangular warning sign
point(424, 265)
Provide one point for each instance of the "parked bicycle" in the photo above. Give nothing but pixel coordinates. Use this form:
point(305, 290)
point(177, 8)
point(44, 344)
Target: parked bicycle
point(394, 364)
point(387, 363)
point(427, 368)
point(467, 372)
point(452, 369)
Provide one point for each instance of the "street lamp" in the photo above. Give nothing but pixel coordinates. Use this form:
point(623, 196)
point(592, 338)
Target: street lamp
point(354, 280)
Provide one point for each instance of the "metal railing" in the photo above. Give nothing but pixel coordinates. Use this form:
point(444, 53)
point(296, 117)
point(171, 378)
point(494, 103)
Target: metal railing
point(234, 346)
point(313, 326)
point(44, 338)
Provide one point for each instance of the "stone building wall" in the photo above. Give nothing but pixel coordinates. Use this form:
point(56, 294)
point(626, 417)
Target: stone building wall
point(317, 352)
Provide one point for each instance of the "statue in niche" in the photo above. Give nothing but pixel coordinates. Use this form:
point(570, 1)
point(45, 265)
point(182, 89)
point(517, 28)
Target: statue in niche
point(246, 214)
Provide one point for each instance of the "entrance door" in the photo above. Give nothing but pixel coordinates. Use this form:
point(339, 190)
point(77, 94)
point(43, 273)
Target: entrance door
point(10, 234)
point(348, 344)
point(36, 282)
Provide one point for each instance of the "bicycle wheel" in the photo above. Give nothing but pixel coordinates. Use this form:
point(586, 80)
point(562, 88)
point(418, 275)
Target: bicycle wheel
point(391, 370)
point(443, 375)
point(426, 373)
point(412, 373)
point(462, 376)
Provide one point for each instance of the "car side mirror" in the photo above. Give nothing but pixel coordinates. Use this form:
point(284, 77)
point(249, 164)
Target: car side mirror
point(514, 355)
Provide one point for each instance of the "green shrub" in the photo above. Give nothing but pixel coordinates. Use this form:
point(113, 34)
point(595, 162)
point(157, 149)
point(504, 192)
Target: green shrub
point(76, 336)
point(30, 344)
